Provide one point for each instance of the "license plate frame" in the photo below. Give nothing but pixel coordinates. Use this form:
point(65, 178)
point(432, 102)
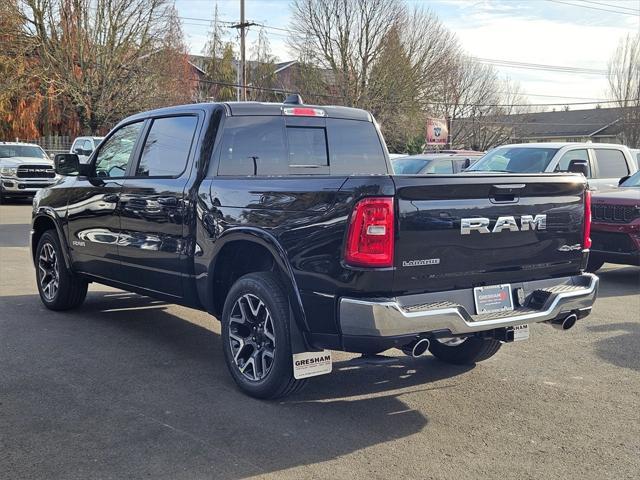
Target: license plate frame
point(493, 298)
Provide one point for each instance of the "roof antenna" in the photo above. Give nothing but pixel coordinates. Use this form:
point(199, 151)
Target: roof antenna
point(294, 99)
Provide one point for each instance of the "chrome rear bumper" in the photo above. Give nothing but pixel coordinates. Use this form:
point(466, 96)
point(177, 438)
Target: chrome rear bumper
point(418, 314)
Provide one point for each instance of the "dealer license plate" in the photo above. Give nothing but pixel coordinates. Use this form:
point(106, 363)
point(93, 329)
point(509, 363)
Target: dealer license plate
point(311, 364)
point(495, 298)
point(520, 332)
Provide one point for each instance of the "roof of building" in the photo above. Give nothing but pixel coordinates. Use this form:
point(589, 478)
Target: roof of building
point(572, 123)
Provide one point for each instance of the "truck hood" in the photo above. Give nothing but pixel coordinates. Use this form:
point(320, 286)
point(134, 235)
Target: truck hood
point(16, 161)
point(618, 196)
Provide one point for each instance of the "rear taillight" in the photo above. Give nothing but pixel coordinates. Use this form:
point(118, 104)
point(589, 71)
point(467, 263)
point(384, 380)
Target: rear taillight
point(586, 239)
point(370, 235)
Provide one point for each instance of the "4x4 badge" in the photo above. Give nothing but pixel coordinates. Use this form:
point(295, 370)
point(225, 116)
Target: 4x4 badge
point(570, 248)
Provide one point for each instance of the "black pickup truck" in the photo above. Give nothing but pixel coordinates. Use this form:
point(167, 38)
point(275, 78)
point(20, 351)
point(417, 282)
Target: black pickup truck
point(286, 223)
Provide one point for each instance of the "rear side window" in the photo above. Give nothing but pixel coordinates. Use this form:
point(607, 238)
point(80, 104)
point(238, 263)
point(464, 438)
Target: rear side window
point(253, 146)
point(355, 148)
point(166, 149)
point(611, 163)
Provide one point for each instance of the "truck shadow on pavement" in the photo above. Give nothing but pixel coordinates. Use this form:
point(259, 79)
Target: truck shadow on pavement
point(619, 282)
point(620, 350)
point(124, 388)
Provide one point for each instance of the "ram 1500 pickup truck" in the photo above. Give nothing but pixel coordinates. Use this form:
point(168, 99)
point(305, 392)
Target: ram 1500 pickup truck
point(286, 223)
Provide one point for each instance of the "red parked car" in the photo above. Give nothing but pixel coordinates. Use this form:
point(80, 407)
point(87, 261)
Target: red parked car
point(615, 228)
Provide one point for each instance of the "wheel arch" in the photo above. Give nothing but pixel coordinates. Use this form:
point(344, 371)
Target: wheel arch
point(249, 250)
point(48, 220)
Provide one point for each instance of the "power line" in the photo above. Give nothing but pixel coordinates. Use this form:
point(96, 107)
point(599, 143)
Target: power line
point(594, 8)
point(435, 102)
point(504, 122)
point(636, 10)
point(490, 61)
point(541, 66)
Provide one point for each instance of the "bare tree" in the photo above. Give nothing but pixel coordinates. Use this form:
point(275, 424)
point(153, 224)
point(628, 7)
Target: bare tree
point(175, 81)
point(479, 104)
point(624, 86)
point(20, 100)
point(345, 36)
point(486, 126)
point(434, 52)
point(96, 53)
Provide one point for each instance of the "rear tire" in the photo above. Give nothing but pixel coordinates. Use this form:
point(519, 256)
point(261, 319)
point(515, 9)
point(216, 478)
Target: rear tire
point(59, 288)
point(469, 352)
point(256, 340)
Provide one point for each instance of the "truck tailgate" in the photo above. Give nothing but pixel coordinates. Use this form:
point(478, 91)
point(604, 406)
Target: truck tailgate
point(468, 230)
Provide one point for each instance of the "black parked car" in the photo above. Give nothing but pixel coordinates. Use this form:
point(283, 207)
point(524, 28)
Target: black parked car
point(286, 223)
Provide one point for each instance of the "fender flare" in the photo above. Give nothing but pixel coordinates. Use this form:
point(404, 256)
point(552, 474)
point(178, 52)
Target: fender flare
point(50, 214)
point(268, 241)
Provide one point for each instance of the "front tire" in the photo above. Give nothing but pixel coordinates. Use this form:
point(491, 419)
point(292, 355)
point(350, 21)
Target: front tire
point(466, 352)
point(59, 288)
point(256, 340)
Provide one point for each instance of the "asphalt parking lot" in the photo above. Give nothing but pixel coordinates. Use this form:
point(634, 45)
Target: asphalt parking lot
point(130, 387)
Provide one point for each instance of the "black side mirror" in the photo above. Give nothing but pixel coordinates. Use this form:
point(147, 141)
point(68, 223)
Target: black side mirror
point(67, 164)
point(623, 179)
point(578, 166)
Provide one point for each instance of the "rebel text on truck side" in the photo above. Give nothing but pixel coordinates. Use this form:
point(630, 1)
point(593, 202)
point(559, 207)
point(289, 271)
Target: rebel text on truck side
point(286, 222)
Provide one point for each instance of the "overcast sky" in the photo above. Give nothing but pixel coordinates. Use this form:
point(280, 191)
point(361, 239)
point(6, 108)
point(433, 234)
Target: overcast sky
point(568, 33)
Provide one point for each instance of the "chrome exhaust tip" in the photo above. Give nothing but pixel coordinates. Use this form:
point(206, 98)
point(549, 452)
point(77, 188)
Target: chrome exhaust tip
point(564, 323)
point(416, 348)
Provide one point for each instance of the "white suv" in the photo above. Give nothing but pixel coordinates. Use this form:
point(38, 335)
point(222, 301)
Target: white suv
point(24, 169)
point(84, 147)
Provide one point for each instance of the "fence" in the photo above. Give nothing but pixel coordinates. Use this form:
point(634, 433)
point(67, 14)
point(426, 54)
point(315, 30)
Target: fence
point(52, 144)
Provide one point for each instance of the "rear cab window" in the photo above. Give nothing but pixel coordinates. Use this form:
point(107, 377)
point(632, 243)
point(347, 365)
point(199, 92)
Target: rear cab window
point(611, 163)
point(277, 145)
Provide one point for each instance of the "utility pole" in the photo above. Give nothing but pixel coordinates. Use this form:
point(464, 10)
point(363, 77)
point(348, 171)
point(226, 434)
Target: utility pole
point(242, 26)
